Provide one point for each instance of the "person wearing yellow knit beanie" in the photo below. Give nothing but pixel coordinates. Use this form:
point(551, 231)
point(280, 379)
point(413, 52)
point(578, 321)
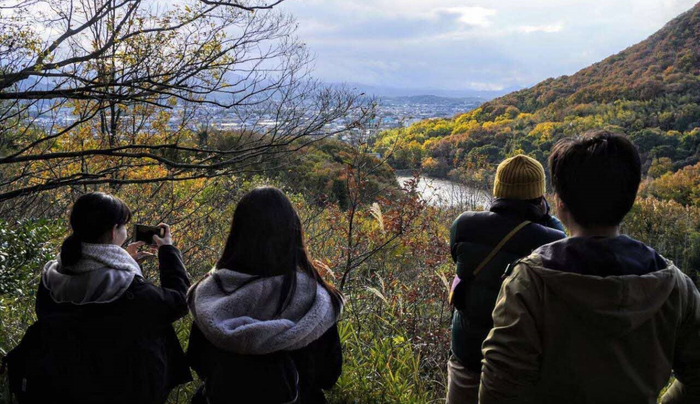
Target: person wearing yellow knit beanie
point(519, 177)
point(483, 244)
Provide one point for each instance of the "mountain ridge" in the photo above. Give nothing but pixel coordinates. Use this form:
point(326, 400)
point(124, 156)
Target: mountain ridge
point(655, 53)
point(385, 91)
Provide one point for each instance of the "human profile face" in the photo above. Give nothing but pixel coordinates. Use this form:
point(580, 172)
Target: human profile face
point(119, 234)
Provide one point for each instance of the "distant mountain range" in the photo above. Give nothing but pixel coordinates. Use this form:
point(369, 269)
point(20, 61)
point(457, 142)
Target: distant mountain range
point(416, 95)
point(433, 99)
point(382, 91)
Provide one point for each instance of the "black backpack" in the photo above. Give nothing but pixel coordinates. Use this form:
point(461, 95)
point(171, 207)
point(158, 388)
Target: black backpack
point(265, 379)
point(229, 377)
point(460, 287)
point(23, 369)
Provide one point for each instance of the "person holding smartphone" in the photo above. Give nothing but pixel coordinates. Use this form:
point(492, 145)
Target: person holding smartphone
point(104, 333)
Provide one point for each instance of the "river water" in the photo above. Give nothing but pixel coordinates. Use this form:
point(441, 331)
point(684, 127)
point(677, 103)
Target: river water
point(446, 193)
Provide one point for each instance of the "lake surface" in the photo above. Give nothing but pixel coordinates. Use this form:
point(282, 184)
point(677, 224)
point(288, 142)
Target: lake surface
point(441, 192)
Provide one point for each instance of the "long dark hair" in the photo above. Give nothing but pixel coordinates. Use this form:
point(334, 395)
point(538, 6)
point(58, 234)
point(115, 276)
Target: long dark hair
point(266, 239)
point(93, 216)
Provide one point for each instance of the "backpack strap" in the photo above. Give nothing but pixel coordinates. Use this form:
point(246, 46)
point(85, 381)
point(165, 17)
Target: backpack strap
point(456, 282)
point(296, 386)
point(499, 246)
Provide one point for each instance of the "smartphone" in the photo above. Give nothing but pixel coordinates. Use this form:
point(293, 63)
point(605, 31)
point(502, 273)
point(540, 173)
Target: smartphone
point(145, 233)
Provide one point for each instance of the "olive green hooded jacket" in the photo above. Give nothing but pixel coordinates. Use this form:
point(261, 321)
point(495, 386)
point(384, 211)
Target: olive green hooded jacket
point(566, 337)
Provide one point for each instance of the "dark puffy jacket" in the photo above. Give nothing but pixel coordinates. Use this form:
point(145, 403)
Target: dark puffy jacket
point(472, 237)
point(270, 378)
point(125, 351)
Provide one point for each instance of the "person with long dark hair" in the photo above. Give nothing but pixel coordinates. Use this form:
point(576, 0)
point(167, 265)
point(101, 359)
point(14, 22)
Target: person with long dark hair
point(265, 321)
point(104, 333)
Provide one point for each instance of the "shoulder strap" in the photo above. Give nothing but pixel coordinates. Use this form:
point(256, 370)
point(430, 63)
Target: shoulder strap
point(296, 386)
point(499, 246)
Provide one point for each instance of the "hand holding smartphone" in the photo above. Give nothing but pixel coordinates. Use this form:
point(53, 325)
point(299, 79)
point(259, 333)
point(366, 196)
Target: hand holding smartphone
point(145, 233)
point(155, 236)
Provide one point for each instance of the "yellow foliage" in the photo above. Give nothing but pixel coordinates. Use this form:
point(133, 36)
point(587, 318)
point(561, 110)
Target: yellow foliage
point(544, 131)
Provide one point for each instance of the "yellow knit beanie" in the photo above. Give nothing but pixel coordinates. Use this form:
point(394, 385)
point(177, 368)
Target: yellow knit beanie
point(519, 177)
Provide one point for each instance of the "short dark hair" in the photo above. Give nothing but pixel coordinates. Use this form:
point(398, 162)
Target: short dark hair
point(597, 176)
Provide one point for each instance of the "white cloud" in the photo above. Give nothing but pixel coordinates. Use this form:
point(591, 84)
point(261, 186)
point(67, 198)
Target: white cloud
point(482, 44)
point(481, 86)
point(549, 29)
point(311, 26)
point(474, 16)
point(401, 9)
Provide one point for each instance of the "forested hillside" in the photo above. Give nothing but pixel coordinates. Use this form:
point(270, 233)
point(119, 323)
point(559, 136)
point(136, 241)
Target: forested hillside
point(650, 91)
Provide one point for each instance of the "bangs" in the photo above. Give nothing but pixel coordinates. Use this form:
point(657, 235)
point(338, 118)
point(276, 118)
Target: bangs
point(123, 213)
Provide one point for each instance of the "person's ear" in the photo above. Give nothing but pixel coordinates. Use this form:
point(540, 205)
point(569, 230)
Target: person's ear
point(562, 211)
point(114, 233)
point(544, 206)
point(561, 207)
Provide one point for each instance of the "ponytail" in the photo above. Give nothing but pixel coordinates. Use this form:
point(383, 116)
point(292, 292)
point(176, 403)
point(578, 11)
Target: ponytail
point(71, 250)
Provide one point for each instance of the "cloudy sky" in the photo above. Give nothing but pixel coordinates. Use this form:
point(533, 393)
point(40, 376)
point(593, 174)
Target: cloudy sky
point(461, 44)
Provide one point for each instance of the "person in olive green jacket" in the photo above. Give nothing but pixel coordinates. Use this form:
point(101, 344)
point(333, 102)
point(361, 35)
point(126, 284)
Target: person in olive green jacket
point(597, 317)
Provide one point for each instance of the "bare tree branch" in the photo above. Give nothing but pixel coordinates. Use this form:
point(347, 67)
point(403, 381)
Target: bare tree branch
point(131, 91)
point(235, 4)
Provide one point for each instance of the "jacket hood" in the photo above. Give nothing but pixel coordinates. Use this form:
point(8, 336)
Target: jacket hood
point(614, 284)
point(236, 312)
point(526, 209)
point(531, 210)
point(601, 256)
point(103, 274)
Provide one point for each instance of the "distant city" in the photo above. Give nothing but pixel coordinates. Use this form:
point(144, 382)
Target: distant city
point(396, 112)
point(391, 113)
point(401, 112)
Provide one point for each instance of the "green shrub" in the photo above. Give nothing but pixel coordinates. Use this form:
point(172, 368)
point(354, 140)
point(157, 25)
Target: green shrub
point(378, 368)
point(24, 249)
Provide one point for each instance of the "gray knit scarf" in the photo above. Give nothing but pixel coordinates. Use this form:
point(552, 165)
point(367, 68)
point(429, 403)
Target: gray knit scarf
point(102, 275)
point(236, 312)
